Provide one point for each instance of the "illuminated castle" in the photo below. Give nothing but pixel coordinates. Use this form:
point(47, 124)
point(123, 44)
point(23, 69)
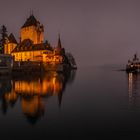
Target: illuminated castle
point(32, 46)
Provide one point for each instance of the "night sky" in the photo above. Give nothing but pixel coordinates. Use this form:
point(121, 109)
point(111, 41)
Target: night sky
point(96, 32)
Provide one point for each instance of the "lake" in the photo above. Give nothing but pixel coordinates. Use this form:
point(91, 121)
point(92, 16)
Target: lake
point(92, 101)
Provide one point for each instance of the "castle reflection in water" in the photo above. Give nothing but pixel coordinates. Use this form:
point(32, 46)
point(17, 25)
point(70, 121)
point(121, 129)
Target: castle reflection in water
point(30, 90)
point(134, 88)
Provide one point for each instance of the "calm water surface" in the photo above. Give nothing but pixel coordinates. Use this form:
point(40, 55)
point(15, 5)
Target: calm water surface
point(91, 101)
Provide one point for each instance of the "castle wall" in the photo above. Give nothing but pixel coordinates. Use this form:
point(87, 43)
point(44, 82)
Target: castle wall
point(33, 33)
point(9, 47)
point(28, 56)
point(41, 55)
point(52, 58)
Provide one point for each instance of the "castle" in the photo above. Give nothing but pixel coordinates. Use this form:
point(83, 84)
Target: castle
point(32, 46)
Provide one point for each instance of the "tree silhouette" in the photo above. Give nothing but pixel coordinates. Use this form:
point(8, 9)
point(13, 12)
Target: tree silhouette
point(3, 32)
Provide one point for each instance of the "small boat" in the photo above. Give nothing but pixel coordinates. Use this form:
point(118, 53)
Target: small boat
point(133, 65)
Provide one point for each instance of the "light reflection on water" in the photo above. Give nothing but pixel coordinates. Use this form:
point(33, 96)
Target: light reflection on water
point(94, 102)
point(30, 90)
point(134, 88)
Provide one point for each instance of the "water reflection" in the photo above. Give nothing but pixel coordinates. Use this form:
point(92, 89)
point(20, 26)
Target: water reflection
point(134, 88)
point(31, 90)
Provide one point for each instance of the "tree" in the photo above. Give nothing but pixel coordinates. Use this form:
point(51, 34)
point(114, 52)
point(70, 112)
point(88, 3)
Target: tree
point(3, 32)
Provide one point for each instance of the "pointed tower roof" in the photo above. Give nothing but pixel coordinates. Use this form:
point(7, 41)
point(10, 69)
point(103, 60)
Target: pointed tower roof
point(30, 21)
point(59, 42)
point(12, 39)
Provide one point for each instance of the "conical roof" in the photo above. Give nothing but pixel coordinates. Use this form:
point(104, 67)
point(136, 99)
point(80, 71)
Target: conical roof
point(12, 39)
point(30, 22)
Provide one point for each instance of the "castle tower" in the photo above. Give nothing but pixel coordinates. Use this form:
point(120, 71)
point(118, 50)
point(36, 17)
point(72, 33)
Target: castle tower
point(59, 49)
point(33, 30)
point(10, 44)
point(59, 46)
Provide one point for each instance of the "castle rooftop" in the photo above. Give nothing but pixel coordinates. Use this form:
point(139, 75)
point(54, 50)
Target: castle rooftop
point(31, 21)
point(12, 39)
